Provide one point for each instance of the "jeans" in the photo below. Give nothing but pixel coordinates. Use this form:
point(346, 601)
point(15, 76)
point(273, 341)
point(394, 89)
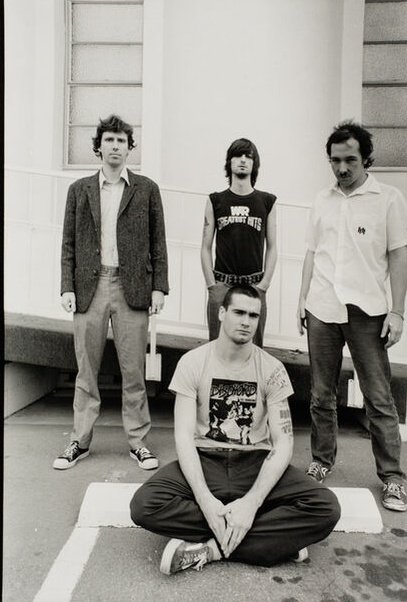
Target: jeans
point(216, 294)
point(325, 344)
point(130, 329)
point(296, 513)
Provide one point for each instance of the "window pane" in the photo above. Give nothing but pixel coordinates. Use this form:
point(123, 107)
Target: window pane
point(384, 106)
point(81, 147)
point(89, 103)
point(383, 62)
point(386, 23)
point(109, 23)
point(107, 63)
point(390, 147)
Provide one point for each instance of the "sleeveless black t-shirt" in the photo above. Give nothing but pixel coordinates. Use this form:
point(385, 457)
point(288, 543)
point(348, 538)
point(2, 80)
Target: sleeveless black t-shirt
point(240, 223)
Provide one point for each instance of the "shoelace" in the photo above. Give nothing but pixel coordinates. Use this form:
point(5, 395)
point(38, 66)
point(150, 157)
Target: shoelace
point(70, 450)
point(315, 469)
point(144, 453)
point(195, 560)
point(395, 489)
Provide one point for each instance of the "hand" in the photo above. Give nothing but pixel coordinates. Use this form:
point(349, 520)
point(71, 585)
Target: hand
point(157, 302)
point(68, 302)
point(392, 328)
point(301, 319)
point(214, 510)
point(239, 518)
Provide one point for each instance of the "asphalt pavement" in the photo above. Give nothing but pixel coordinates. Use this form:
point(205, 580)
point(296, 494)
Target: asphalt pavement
point(41, 507)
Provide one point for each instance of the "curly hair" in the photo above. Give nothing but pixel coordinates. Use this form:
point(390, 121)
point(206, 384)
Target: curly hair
point(243, 146)
point(348, 129)
point(113, 123)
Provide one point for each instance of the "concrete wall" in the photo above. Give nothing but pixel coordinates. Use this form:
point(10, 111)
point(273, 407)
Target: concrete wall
point(279, 72)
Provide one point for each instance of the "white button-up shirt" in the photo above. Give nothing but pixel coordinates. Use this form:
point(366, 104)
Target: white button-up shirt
point(351, 236)
point(110, 197)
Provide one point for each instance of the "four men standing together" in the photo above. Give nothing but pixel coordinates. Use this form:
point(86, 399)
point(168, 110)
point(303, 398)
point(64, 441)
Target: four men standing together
point(231, 410)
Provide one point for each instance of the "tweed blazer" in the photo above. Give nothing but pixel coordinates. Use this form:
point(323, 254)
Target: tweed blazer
point(141, 241)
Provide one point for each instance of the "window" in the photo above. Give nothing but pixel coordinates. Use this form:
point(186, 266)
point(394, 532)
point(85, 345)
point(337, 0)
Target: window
point(385, 81)
point(104, 55)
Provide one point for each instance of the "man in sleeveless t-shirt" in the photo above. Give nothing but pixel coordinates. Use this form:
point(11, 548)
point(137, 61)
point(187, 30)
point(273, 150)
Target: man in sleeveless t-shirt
point(245, 223)
point(232, 494)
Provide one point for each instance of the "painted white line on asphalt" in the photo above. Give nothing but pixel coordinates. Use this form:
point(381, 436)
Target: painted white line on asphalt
point(107, 505)
point(68, 566)
point(359, 511)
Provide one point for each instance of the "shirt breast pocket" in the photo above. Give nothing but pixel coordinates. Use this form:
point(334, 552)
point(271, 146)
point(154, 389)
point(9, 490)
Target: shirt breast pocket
point(365, 228)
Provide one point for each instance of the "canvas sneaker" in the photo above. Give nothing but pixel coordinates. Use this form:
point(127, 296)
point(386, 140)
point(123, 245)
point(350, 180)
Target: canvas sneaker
point(394, 496)
point(317, 472)
point(144, 457)
point(70, 456)
point(179, 555)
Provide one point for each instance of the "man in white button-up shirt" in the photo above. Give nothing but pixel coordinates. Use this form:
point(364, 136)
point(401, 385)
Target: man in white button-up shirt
point(357, 236)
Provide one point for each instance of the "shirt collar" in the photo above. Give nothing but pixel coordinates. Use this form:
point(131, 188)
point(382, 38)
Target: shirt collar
point(123, 175)
point(369, 185)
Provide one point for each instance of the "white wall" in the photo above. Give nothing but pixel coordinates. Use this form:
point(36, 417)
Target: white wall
point(272, 71)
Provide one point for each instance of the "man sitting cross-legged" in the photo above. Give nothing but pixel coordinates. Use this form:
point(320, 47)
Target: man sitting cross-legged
point(233, 494)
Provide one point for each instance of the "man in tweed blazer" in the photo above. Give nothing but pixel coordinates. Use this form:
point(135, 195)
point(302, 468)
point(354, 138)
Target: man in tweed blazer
point(113, 267)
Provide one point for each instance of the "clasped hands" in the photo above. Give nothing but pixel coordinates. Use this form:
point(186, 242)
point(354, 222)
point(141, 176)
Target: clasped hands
point(230, 522)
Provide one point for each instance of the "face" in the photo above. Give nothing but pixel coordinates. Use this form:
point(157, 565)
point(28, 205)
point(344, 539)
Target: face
point(347, 164)
point(242, 166)
point(114, 148)
point(239, 321)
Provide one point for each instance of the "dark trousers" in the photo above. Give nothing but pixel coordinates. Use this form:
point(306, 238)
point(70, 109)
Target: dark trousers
point(216, 294)
point(325, 344)
point(296, 513)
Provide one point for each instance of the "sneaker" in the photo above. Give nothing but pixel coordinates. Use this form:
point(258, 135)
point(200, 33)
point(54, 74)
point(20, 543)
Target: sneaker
point(70, 456)
point(317, 472)
point(144, 457)
point(179, 555)
point(394, 496)
point(301, 555)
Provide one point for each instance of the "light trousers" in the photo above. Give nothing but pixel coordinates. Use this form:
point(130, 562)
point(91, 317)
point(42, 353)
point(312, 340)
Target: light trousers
point(130, 329)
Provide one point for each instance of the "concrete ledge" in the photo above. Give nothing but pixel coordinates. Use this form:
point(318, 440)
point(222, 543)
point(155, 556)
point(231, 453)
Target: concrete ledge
point(49, 342)
point(107, 505)
point(24, 384)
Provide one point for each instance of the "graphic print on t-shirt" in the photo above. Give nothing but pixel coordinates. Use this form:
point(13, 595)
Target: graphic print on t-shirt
point(239, 214)
point(231, 408)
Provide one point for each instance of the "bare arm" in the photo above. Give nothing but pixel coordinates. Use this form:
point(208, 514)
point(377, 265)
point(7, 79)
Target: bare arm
point(393, 323)
point(188, 458)
point(307, 269)
point(206, 246)
point(240, 513)
point(270, 259)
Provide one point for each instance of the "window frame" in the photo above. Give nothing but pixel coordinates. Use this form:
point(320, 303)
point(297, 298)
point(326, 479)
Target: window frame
point(69, 84)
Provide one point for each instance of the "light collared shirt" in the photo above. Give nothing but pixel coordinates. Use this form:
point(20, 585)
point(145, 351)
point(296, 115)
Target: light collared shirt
point(351, 237)
point(110, 197)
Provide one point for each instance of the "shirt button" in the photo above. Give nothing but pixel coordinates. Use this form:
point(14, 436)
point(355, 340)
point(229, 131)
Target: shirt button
point(97, 252)
point(95, 272)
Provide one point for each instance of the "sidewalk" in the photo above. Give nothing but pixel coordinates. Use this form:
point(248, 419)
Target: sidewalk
point(41, 508)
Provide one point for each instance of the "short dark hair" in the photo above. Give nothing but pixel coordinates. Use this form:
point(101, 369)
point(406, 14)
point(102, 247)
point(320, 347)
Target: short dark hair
point(243, 146)
point(348, 129)
point(113, 123)
point(240, 289)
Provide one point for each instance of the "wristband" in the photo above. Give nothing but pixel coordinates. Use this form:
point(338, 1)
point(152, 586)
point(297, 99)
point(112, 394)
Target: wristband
point(398, 314)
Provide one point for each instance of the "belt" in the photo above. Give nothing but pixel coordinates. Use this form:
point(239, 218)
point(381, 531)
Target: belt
point(235, 279)
point(109, 270)
point(220, 449)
